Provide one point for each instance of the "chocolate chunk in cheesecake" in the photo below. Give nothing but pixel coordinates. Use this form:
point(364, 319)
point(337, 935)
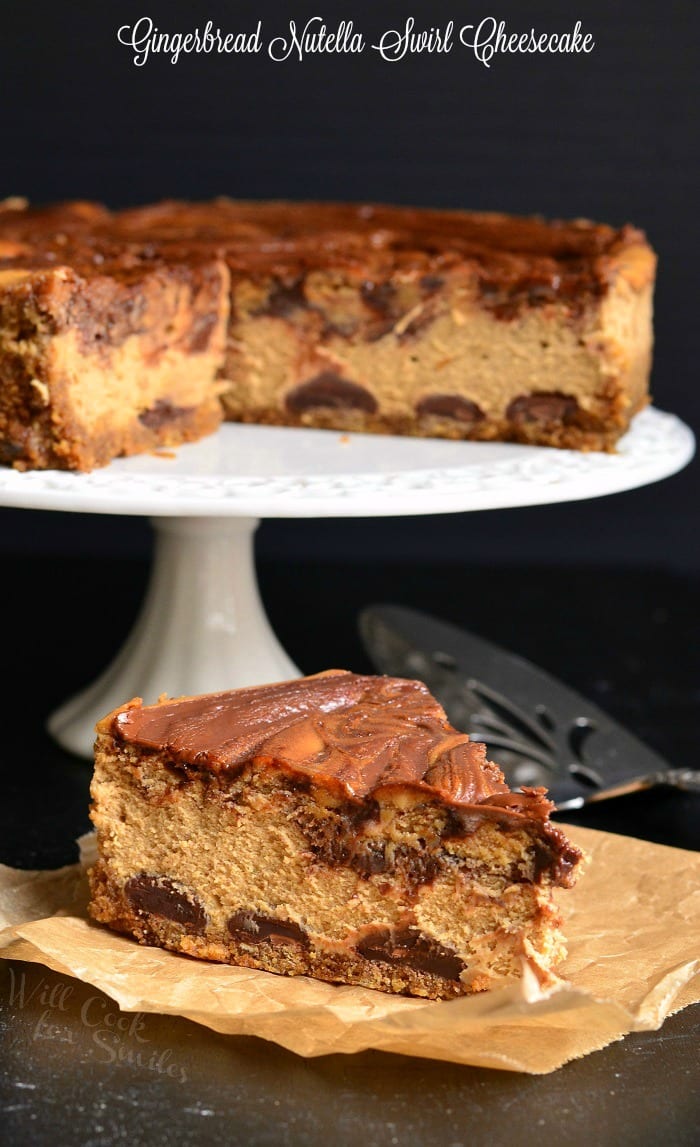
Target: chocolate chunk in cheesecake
point(329, 390)
point(159, 896)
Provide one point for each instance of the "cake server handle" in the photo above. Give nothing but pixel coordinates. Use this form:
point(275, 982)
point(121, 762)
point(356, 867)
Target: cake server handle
point(686, 779)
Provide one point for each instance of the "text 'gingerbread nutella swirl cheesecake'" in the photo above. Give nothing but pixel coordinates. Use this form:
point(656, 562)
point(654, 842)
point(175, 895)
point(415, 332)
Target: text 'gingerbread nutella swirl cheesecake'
point(335, 826)
point(123, 331)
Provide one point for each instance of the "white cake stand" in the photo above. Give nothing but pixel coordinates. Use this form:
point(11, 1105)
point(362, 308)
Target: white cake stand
point(202, 626)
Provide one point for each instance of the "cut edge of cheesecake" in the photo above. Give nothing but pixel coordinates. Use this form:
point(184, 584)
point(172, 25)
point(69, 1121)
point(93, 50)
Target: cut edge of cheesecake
point(334, 826)
point(91, 370)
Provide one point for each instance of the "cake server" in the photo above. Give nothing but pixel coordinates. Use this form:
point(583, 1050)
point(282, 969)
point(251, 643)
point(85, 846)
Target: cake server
point(540, 731)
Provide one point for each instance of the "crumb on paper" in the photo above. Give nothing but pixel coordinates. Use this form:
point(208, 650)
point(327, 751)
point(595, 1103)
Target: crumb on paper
point(344, 439)
point(14, 203)
point(41, 390)
point(163, 454)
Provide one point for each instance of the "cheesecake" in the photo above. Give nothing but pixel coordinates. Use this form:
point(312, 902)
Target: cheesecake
point(124, 331)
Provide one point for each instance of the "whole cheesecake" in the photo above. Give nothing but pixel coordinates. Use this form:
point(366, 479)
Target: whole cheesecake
point(335, 826)
point(124, 331)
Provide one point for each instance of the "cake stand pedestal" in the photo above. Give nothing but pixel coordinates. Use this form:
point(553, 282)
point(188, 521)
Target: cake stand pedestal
point(202, 626)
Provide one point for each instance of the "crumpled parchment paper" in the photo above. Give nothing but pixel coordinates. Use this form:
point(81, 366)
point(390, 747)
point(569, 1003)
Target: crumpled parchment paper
point(633, 929)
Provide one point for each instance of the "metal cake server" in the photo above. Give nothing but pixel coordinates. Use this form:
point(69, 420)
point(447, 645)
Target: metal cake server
point(540, 731)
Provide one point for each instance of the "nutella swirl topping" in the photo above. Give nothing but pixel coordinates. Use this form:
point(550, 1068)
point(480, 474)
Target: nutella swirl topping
point(517, 261)
point(358, 734)
point(361, 738)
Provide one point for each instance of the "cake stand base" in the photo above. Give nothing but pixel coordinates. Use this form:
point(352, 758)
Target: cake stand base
point(202, 627)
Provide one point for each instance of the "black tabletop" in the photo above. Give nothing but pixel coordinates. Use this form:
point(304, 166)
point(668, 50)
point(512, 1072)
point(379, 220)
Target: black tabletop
point(626, 638)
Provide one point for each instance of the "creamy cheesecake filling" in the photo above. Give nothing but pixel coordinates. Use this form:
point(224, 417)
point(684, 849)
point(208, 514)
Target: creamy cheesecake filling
point(217, 877)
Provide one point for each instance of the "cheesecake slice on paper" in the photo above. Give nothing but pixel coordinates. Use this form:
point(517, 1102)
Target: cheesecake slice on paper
point(334, 826)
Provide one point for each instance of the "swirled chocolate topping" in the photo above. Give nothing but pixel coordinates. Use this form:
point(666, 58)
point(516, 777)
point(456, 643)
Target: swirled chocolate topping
point(356, 734)
point(507, 254)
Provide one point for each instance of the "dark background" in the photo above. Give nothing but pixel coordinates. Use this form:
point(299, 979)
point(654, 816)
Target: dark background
point(603, 594)
point(612, 136)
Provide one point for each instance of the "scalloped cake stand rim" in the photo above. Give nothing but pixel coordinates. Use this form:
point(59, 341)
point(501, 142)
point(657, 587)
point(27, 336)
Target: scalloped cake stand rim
point(259, 471)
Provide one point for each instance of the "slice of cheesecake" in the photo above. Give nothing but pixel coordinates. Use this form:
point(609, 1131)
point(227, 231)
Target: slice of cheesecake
point(335, 826)
point(123, 330)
